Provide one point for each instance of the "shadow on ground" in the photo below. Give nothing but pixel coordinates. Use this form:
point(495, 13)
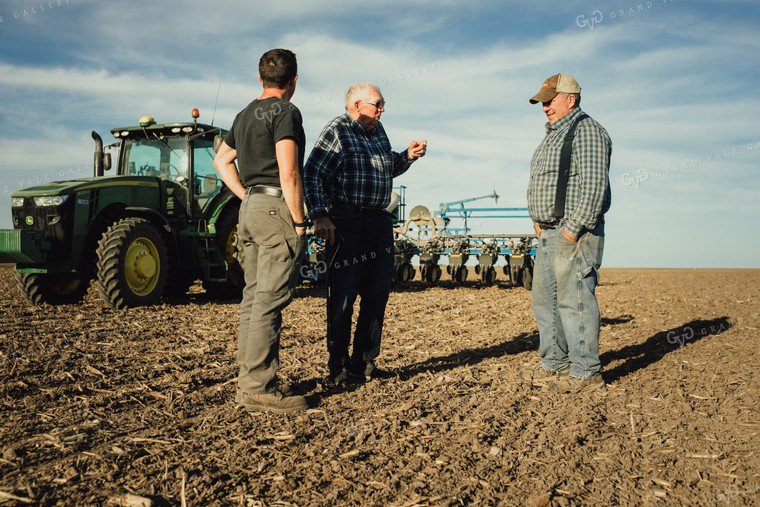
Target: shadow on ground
point(642, 355)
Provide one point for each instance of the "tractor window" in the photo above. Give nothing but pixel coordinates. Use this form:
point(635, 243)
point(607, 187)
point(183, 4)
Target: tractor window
point(207, 182)
point(162, 158)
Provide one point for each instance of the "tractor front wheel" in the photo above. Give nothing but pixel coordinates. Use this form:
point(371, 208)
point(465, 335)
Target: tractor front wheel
point(132, 264)
point(52, 288)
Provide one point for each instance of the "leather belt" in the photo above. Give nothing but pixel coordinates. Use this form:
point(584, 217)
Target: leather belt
point(546, 225)
point(265, 189)
point(360, 210)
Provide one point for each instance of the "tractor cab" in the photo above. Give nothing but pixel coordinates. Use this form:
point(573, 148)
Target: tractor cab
point(179, 155)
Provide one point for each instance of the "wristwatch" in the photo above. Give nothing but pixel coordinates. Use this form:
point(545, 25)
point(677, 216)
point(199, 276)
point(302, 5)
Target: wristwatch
point(299, 224)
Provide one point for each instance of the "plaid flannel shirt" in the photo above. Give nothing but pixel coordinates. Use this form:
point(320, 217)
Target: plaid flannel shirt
point(351, 165)
point(588, 186)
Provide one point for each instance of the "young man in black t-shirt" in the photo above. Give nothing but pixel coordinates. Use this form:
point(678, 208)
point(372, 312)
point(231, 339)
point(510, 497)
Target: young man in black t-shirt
point(267, 141)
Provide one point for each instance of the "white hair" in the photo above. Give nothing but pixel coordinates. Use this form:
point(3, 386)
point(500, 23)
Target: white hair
point(359, 89)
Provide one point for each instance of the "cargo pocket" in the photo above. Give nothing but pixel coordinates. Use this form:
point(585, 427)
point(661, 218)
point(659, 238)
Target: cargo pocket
point(275, 253)
point(275, 268)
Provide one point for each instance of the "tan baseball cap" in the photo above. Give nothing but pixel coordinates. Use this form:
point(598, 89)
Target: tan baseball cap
point(558, 83)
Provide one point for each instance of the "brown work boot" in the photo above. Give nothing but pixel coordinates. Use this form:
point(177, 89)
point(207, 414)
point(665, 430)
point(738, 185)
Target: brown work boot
point(541, 377)
point(274, 401)
point(285, 388)
point(577, 385)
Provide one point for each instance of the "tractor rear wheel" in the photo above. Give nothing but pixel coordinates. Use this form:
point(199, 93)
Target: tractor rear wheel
point(227, 243)
point(52, 288)
point(132, 264)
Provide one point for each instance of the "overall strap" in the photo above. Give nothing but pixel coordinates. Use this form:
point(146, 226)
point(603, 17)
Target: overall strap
point(564, 168)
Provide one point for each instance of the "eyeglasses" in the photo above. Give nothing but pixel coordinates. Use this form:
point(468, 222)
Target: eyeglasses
point(380, 103)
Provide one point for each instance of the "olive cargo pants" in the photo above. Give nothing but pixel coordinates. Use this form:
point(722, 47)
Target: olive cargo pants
point(273, 254)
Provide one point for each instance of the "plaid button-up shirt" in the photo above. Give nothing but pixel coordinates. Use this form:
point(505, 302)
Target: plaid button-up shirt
point(351, 165)
point(588, 186)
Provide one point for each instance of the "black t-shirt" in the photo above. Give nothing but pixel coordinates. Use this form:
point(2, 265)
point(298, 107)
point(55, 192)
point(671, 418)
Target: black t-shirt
point(254, 133)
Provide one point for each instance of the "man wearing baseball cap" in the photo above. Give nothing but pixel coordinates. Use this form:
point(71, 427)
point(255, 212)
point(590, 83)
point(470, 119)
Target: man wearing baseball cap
point(568, 195)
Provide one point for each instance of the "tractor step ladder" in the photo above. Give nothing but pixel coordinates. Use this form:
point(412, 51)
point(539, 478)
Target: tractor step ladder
point(212, 261)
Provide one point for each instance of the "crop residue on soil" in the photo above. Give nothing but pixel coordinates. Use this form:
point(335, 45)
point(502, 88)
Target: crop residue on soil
point(107, 407)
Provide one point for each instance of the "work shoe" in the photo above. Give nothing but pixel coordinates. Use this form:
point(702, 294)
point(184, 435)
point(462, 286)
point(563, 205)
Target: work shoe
point(577, 385)
point(541, 377)
point(274, 401)
point(369, 372)
point(285, 388)
point(341, 380)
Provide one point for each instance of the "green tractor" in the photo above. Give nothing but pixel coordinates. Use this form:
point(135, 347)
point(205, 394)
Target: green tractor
point(163, 221)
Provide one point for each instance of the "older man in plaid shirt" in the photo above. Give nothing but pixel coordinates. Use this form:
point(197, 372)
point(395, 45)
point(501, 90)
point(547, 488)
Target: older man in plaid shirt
point(568, 215)
point(348, 180)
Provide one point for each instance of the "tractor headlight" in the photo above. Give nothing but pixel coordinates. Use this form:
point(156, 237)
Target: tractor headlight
point(17, 202)
point(50, 200)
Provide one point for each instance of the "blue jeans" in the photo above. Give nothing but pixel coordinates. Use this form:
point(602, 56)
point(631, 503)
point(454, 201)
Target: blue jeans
point(363, 266)
point(564, 302)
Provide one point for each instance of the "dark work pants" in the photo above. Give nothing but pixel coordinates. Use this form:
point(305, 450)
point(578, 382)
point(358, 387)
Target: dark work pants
point(363, 266)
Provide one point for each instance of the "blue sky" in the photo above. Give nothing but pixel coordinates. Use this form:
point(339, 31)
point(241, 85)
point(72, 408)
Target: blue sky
point(672, 81)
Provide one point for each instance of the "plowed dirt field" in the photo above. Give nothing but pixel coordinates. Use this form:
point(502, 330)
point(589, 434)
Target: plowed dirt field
point(135, 407)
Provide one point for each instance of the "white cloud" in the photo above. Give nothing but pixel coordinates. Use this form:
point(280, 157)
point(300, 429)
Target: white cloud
point(662, 82)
